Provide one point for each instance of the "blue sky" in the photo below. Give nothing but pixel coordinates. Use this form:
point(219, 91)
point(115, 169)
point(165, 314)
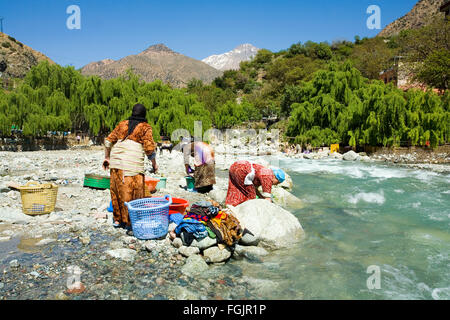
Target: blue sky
point(114, 29)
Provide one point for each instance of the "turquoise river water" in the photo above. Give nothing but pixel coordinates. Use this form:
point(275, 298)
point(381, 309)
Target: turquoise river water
point(358, 215)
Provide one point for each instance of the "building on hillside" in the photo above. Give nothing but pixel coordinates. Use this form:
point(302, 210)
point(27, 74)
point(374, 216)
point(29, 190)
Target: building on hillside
point(392, 74)
point(401, 76)
point(446, 8)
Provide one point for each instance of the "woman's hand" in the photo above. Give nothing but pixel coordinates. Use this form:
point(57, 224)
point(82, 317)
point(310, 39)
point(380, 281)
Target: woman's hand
point(155, 167)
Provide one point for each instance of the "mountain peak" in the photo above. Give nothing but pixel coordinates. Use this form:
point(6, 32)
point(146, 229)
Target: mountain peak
point(232, 59)
point(245, 46)
point(160, 47)
point(156, 62)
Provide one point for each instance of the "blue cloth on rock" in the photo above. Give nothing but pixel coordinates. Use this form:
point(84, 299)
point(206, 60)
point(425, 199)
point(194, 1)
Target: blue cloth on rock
point(176, 218)
point(193, 226)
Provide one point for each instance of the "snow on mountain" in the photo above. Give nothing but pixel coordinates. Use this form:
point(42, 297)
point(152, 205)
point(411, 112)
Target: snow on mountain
point(231, 60)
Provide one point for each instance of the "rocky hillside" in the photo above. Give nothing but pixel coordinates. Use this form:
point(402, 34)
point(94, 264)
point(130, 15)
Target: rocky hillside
point(424, 12)
point(91, 67)
point(156, 62)
point(17, 57)
point(231, 60)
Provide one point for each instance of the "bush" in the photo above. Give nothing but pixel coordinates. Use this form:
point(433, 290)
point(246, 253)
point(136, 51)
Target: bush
point(6, 45)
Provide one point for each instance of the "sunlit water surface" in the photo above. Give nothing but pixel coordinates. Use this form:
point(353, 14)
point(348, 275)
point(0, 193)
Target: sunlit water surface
point(358, 215)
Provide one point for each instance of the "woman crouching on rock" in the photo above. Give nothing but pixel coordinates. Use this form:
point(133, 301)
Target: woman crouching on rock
point(245, 178)
point(125, 149)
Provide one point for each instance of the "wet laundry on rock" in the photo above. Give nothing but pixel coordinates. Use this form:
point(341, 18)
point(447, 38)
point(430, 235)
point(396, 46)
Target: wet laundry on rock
point(206, 220)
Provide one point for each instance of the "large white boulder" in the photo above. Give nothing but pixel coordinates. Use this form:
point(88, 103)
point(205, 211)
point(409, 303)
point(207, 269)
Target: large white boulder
point(350, 156)
point(336, 155)
point(273, 226)
point(286, 199)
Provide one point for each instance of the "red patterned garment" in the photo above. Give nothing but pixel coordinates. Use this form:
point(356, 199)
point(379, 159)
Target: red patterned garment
point(238, 192)
point(125, 189)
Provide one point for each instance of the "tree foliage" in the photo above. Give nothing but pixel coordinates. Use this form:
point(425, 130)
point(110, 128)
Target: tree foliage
point(339, 105)
point(53, 98)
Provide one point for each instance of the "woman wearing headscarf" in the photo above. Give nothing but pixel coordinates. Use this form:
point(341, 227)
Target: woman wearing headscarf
point(204, 164)
point(125, 150)
point(245, 178)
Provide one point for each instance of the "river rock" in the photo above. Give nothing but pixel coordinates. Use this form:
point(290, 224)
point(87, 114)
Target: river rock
point(216, 255)
point(364, 158)
point(249, 252)
point(116, 245)
point(194, 265)
point(336, 155)
point(286, 199)
point(183, 293)
point(61, 296)
point(128, 239)
point(13, 215)
point(122, 254)
point(14, 263)
point(272, 225)
point(172, 226)
point(177, 243)
point(218, 195)
point(350, 156)
point(287, 184)
point(205, 243)
point(188, 251)
point(85, 239)
point(249, 240)
point(44, 242)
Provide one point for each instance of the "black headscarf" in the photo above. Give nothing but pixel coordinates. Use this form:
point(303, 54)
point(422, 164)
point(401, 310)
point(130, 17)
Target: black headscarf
point(138, 116)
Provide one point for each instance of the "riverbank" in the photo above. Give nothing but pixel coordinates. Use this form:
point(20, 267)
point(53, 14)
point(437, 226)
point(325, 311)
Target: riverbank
point(37, 253)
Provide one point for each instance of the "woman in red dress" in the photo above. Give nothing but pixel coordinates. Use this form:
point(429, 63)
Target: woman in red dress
point(245, 178)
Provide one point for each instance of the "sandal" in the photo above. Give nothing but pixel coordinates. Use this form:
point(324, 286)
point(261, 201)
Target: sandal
point(116, 224)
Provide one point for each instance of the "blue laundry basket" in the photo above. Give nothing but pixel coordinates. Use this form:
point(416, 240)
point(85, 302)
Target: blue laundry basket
point(149, 217)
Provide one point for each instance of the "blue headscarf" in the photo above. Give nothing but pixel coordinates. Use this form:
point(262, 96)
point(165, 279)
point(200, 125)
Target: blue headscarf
point(279, 174)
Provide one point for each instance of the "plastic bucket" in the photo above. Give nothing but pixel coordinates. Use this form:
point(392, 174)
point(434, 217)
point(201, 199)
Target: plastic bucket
point(162, 183)
point(96, 181)
point(178, 206)
point(190, 182)
point(151, 183)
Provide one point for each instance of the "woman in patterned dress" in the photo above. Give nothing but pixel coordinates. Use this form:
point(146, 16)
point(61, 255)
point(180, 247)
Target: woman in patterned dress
point(125, 148)
point(245, 178)
point(204, 163)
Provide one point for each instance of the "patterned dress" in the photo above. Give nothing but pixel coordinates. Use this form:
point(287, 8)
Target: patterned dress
point(125, 188)
point(205, 166)
point(238, 192)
